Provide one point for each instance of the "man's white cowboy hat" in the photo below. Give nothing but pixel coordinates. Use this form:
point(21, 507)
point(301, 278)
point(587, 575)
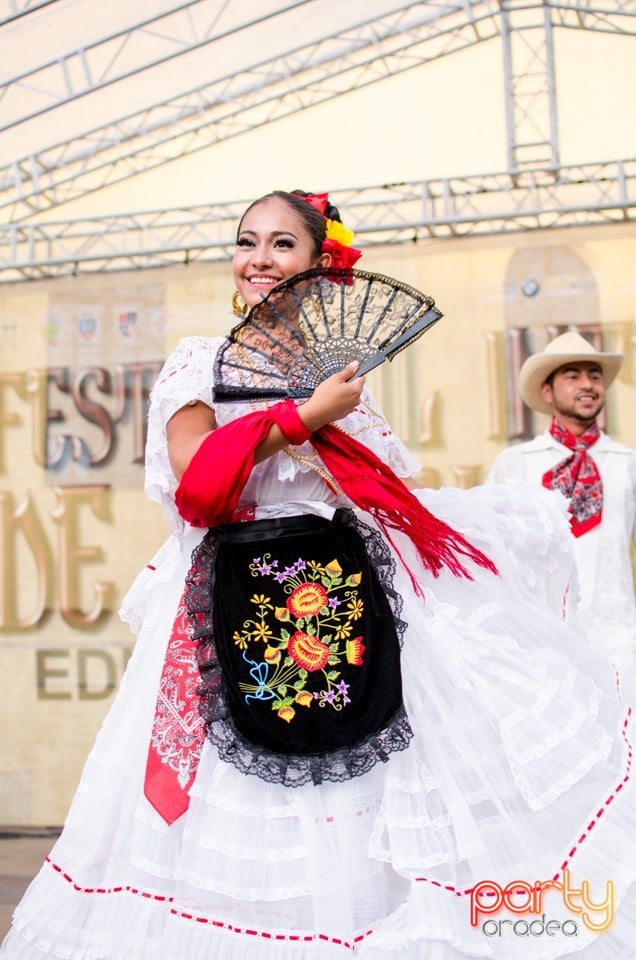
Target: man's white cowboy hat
point(569, 347)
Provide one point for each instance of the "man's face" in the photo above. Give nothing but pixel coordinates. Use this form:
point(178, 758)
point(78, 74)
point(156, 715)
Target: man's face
point(576, 391)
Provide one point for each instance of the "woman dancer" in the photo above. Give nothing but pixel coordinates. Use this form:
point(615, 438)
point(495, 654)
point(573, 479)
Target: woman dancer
point(354, 722)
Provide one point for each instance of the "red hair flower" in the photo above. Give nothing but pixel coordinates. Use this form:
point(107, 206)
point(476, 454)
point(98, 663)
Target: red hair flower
point(341, 256)
point(338, 238)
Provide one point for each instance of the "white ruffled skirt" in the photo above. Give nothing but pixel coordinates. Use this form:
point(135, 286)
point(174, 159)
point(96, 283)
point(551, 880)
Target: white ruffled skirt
point(519, 773)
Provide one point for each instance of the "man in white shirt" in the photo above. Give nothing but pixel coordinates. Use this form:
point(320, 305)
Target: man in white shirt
point(596, 474)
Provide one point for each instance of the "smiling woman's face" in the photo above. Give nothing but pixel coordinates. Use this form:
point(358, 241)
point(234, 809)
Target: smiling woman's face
point(273, 244)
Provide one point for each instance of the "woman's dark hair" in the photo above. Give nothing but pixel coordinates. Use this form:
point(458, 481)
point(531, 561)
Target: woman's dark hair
point(313, 220)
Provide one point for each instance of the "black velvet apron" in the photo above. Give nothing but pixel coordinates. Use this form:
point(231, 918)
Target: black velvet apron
point(298, 637)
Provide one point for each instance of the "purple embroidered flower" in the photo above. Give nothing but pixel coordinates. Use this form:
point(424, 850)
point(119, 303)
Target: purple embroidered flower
point(336, 695)
point(263, 566)
point(333, 602)
point(280, 576)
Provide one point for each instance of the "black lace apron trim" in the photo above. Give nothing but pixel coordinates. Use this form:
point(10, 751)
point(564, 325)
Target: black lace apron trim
point(297, 629)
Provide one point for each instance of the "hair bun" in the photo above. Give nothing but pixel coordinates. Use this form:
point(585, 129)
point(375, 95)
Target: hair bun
point(332, 213)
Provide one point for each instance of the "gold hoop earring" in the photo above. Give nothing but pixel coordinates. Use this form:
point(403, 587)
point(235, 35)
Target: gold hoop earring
point(239, 307)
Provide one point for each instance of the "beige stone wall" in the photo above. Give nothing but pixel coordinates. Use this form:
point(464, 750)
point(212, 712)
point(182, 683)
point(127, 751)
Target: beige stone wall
point(77, 358)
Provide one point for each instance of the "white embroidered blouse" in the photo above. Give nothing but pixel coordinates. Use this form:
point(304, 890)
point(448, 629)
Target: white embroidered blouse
point(290, 482)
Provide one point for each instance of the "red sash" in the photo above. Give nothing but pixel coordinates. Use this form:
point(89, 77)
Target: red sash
point(178, 732)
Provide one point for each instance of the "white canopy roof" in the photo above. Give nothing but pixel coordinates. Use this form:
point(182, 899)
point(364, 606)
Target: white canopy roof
point(133, 108)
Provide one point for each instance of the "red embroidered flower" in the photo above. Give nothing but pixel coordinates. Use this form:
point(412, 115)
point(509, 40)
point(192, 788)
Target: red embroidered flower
point(355, 651)
point(307, 599)
point(310, 653)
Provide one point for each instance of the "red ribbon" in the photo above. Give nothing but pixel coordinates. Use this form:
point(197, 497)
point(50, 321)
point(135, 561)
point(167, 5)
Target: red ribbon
point(317, 200)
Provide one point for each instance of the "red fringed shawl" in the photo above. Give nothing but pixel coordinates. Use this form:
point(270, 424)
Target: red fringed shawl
point(211, 485)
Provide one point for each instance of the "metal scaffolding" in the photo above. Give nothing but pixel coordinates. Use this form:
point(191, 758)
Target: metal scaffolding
point(366, 43)
point(12, 9)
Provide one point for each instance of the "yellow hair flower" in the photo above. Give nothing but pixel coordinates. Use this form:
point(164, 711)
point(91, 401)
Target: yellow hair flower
point(338, 232)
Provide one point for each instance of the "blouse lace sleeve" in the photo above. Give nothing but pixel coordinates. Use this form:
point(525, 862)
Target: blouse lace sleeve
point(366, 424)
point(369, 425)
point(185, 376)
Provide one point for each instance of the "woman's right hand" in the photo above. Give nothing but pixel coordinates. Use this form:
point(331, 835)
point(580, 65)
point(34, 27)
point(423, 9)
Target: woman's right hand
point(332, 399)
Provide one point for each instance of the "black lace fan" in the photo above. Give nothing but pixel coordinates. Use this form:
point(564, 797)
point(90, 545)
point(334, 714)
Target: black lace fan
point(312, 325)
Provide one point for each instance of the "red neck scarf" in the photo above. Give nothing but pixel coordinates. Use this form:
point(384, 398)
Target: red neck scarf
point(208, 493)
point(578, 477)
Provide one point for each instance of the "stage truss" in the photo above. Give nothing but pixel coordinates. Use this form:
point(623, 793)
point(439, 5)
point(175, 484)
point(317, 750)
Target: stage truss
point(366, 43)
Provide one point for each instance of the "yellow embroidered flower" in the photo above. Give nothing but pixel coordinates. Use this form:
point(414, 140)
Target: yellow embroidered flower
point(240, 641)
point(304, 698)
point(355, 608)
point(271, 655)
point(260, 598)
point(338, 232)
point(333, 568)
point(281, 613)
point(287, 714)
point(262, 632)
point(343, 631)
point(354, 580)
